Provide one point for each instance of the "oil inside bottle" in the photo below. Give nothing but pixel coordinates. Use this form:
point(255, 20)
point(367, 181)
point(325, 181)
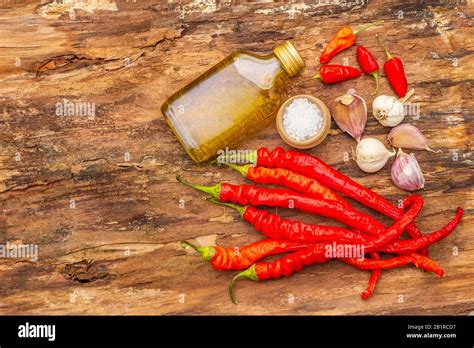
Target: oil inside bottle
point(226, 103)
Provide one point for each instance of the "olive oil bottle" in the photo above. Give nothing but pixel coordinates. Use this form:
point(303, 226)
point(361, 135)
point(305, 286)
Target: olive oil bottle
point(231, 100)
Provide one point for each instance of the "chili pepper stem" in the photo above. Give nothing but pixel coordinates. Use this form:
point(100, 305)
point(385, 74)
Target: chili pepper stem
point(240, 208)
point(249, 273)
point(375, 74)
point(207, 253)
point(241, 169)
point(367, 26)
point(314, 77)
point(408, 95)
point(389, 55)
point(212, 190)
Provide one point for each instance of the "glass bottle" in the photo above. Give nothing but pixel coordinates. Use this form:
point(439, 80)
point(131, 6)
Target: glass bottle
point(231, 100)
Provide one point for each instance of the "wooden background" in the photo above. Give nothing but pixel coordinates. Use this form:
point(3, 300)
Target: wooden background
point(99, 196)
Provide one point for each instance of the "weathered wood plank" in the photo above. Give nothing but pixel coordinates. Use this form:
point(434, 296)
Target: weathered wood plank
point(98, 195)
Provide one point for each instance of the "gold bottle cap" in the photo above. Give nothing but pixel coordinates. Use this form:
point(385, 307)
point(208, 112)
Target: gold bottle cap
point(290, 58)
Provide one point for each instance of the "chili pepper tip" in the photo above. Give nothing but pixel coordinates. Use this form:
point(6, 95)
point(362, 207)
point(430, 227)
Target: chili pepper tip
point(249, 273)
point(366, 294)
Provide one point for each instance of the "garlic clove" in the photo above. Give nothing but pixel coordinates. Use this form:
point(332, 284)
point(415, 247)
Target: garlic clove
point(350, 113)
point(388, 110)
point(406, 172)
point(371, 155)
point(409, 137)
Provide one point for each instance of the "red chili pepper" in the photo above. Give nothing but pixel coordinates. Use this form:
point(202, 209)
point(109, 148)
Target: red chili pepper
point(241, 258)
point(374, 279)
point(368, 64)
point(274, 197)
point(336, 73)
point(395, 72)
point(343, 39)
point(291, 263)
point(314, 167)
point(317, 253)
point(418, 260)
point(408, 246)
point(275, 227)
point(287, 178)
point(391, 234)
point(311, 186)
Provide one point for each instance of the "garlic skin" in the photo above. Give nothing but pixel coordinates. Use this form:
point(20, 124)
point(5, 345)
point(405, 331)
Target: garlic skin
point(371, 155)
point(388, 110)
point(350, 113)
point(409, 137)
point(406, 172)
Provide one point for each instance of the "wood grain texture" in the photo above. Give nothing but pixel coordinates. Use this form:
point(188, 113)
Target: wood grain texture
point(99, 196)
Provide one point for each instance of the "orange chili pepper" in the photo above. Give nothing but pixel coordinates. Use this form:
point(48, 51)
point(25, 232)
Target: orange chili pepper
point(344, 39)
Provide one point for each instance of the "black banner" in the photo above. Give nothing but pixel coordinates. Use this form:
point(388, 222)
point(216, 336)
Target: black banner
point(46, 331)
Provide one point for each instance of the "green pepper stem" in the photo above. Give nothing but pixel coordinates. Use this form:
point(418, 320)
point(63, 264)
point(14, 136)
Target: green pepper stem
point(389, 55)
point(241, 169)
point(367, 26)
point(249, 273)
point(375, 74)
point(240, 208)
point(207, 253)
point(214, 190)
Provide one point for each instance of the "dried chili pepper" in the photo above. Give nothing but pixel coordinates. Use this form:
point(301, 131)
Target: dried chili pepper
point(241, 258)
point(395, 72)
point(336, 73)
point(368, 64)
point(275, 197)
point(314, 167)
point(344, 38)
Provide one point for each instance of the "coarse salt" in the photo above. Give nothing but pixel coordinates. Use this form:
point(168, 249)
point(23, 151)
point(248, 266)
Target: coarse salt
point(302, 119)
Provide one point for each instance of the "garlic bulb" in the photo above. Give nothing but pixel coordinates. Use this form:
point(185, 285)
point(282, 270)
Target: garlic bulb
point(408, 137)
point(388, 110)
point(371, 155)
point(406, 172)
point(350, 113)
